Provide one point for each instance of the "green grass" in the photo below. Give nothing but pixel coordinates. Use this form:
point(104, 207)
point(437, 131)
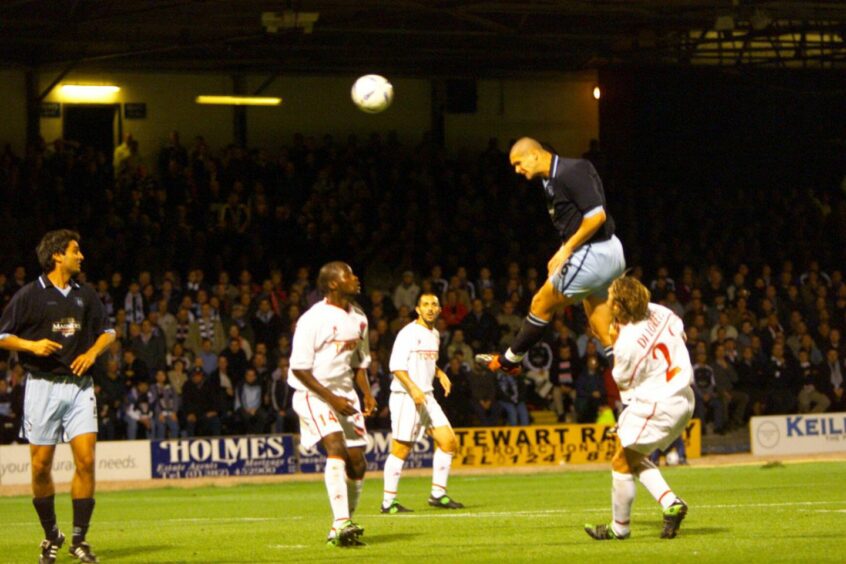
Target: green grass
point(792, 513)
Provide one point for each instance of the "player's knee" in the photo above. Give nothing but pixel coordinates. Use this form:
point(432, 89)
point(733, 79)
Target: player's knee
point(619, 463)
point(448, 445)
point(41, 469)
point(400, 450)
point(356, 468)
point(85, 463)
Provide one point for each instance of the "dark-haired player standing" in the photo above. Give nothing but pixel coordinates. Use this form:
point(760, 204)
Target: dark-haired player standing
point(59, 328)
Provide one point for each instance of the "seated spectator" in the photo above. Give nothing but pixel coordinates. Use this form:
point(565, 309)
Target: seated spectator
point(734, 399)
point(453, 311)
point(480, 327)
point(458, 405)
point(250, 403)
point(590, 391)
point(205, 326)
point(165, 408)
point(134, 369)
point(834, 374)
point(457, 345)
point(267, 326)
point(483, 391)
point(509, 324)
point(138, 411)
point(781, 381)
point(405, 293)
point(708, 401)
point(285, 420)
point(149, 347)
point(178, 375)
point(812, 397)
point(511, 399)
point(199, 407)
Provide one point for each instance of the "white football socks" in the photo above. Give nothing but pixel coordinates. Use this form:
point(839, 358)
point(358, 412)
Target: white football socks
point(623, 491)
point(441, 463)
point(354, 488)
point(393, 472)
point(654, 482)
point(336, 487)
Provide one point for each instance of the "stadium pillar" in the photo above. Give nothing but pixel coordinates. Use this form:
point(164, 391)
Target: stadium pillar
point(33, 119)
point(438, 105)
point(239, 113)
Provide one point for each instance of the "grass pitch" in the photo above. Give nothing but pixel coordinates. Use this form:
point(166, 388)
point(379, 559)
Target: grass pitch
point(791, 513)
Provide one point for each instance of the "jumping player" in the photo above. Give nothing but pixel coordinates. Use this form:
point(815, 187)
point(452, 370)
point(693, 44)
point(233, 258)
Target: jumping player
point(59, 328)
point(329, 351)
point(652, 369)
point(414, 409)
point(590, 256)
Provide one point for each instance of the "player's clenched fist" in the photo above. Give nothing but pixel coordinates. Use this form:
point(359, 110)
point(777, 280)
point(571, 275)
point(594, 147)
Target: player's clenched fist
point(44, 347)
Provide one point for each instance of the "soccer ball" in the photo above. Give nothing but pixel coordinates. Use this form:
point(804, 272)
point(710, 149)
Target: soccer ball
point(372, 93)
point(672, 458)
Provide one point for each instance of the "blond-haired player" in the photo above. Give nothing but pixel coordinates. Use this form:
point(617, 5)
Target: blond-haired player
point(414, 409)
point(652, 369)
point(330, 350)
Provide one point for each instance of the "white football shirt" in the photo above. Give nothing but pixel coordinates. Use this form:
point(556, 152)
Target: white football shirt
point(651, 361)
point(331, 342)
point(415, 351)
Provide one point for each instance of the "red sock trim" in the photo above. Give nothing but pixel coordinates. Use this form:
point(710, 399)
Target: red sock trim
point(663, 494)
point(626, 523)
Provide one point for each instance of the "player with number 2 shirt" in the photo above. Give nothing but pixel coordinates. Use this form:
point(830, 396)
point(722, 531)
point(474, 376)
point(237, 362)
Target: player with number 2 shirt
point(652, 369)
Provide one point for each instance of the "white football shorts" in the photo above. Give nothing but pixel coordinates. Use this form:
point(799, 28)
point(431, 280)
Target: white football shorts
point(645, 426)
point(318, 419)
point(591, 269)
point(409, 422)
point(56, 411)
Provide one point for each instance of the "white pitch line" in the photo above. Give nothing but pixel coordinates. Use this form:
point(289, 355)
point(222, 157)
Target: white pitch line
point(460, 515)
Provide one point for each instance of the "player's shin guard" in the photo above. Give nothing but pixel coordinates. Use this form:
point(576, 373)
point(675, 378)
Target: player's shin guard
point(336, 487)
point(654, 482)
point(441, 463)
point(530, 333)
point(46, 509)
point(393, 472)
point(623, 491)
point(82, 511)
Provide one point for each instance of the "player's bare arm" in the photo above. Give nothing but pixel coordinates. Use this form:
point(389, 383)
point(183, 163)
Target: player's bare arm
point(446, 384)
point(413, 389)
point(339, 404)
point(86, 360)
point(588, 227)
point(364, 385)
point(42, 347)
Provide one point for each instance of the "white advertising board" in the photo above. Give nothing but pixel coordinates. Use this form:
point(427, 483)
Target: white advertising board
point(807, 433)
point(115, 460)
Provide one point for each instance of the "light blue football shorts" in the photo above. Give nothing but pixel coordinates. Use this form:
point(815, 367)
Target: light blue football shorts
point(590, 270)
point(56, 411)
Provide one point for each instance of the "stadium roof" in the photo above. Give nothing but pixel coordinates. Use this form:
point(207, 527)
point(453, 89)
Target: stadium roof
point(418, 37)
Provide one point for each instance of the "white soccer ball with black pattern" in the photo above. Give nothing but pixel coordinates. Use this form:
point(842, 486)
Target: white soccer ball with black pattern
point(372, 93)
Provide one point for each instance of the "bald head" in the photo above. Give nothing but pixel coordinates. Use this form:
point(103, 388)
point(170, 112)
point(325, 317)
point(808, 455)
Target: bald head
point(529, 158)
point(523, 146)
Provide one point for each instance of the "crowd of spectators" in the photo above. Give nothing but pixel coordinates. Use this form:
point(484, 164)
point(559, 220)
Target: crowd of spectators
point(205, 259)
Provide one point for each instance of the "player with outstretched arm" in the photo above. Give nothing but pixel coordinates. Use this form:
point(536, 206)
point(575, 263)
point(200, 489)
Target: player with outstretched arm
point(330, 350)
point(59, 328)
point(652, 369)
point(414, 409)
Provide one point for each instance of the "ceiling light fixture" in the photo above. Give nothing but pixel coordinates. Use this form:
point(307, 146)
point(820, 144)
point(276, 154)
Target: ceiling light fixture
point(239, 100)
